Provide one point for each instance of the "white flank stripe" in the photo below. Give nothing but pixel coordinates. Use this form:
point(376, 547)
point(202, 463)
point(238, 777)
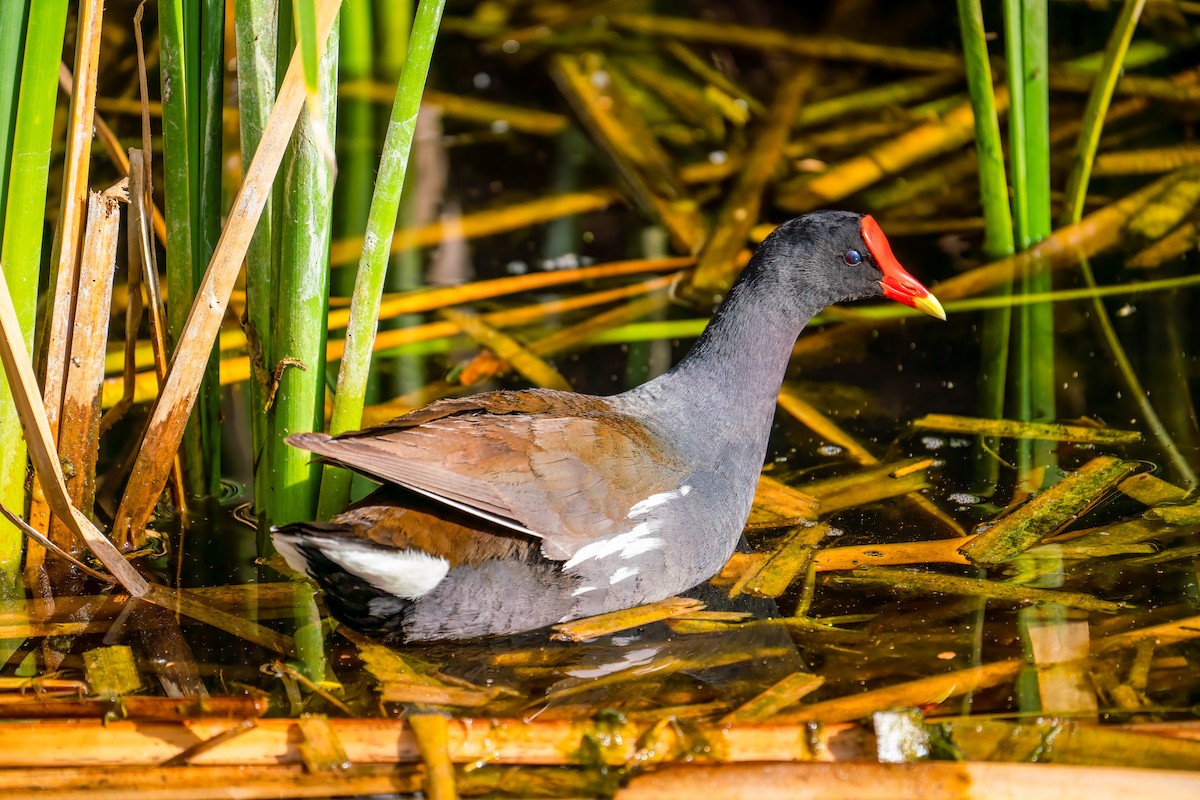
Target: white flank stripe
point(614, 544)
point(622, 574)
point(655, 500)
point(403, 573)
point(583, 590)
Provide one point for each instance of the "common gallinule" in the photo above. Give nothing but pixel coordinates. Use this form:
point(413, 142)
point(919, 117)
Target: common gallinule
point(512, 510)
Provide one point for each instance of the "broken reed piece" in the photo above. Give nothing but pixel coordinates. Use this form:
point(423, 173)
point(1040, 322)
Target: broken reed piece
point(601, 624)
point(1015, 429)
point(912, 580)
point(400, 682)
point(782, 694)
point(772, 576)
point(83, 373)
point(432, 732)
point(1049, 511)
point(868, 781)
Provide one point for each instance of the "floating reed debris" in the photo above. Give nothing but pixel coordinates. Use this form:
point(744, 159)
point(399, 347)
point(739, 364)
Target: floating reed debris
point(910, 580)
point(950, 423)
point(778, 568)
point(592, 627)
point(1011, 535)
point(906, 782)
point(787, 692)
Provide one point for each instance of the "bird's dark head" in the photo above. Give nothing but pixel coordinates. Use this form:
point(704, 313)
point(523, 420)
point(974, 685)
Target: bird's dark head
point(828, 257)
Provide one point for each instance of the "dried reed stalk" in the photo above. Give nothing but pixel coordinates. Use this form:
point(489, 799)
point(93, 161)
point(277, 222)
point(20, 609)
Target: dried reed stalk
point(976, 781)
point(64, 258)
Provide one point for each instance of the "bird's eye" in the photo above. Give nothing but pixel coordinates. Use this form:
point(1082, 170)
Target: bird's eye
point(853, 258)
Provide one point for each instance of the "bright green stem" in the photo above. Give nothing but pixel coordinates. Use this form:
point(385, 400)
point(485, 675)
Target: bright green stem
point(356, 135)
point(407, 268)
point(301, 300)
point(993, 186)
point(1029, 143)
point(372, 265)
point(181, 195)
point(207, 222)
point(28, 173)
point(13, 15)
point(304, 13)
point(998, 228)
point(1097, 109)
point(254, 27)
point(358, 131)
point(395, 27)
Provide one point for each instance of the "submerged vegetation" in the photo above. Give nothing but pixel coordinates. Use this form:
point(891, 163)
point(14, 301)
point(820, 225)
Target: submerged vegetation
point(225, 222)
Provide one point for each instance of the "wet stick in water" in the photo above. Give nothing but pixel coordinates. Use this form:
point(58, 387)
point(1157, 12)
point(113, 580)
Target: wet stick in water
point(786, 692)
point(998, 428)
point(1072, 743)
point(534, 369)
point(1011, 535)
point(432, 734)
point(716, 266)
point(920, 692)
point(951, 132)
point(781, 567)
point(908, 580)
point(494, 364)
point(320, 748)
point(591, 627)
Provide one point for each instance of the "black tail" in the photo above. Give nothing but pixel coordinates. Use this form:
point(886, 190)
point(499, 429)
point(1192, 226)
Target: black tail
point(349, 598)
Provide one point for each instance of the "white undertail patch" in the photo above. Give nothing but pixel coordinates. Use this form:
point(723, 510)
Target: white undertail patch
point(402, 573)
point(294, 558)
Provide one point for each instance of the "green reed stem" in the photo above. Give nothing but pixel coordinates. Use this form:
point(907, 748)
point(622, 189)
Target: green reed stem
point(406, 271)
point(179, 31)
point(255, 22)
point(301, 300)
point(27, 169)
point(356, 134)
point(13, 15)
point(395, 29)
point(998, 227)
point(1097, 109)
point(304, 13)
point(1029, 143)
point(210, 85)
point(12, 489)
point(372, 265)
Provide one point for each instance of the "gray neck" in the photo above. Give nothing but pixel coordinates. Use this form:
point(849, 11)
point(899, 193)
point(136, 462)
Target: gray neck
point(722, 395)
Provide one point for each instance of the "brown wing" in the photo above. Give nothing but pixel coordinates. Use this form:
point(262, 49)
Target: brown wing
point(563, 467)
point(391, 520)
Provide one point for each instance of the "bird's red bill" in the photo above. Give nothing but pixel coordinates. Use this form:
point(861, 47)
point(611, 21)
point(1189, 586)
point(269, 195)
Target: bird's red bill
point(897, 284)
